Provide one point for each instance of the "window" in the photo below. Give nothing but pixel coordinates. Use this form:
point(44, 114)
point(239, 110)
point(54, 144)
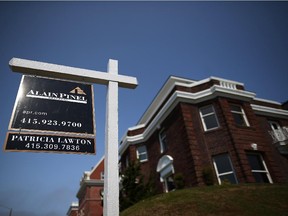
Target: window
point(209, 118)
point(224, 169)
point(163, 141)
point(274, 125)
point(278, 134)
point(258, 168)
point(142, 153)
point(239, 115)
point(102, 175)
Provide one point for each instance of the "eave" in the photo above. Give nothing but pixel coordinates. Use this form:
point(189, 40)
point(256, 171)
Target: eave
point(154, 120)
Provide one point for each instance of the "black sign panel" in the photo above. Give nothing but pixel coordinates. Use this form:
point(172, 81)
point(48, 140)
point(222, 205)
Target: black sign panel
point(53, 105)
point(49, 143)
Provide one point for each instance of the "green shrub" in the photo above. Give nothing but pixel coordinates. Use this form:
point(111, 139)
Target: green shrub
point(179, 181)
point(208, 175)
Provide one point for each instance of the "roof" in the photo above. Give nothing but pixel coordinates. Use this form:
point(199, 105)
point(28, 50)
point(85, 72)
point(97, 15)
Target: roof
point(177, 89)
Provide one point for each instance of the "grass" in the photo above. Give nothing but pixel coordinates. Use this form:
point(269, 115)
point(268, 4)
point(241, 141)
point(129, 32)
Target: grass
point(236, 200)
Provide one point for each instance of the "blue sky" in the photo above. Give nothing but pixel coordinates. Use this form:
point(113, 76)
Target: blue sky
point(241, 41)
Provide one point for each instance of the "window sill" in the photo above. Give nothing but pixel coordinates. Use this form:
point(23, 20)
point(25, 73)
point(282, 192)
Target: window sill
point(144, 161)
point(213, 130)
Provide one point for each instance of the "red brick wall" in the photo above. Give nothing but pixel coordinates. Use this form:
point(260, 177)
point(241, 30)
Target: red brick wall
point(96, 174)
point(91, 204)
point(243, 137)
point(192, 148)
point(180, 144)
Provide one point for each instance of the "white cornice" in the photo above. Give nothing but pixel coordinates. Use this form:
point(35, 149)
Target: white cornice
point(267, 101)
point(161, 96)
point(269, 111)
point(180, 96)
point(151, 120)
point(168, 87)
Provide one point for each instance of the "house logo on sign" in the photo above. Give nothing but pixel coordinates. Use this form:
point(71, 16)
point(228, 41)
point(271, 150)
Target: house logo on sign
point(78, 90)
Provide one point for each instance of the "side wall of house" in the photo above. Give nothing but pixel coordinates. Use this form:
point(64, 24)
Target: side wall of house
point(192, 148)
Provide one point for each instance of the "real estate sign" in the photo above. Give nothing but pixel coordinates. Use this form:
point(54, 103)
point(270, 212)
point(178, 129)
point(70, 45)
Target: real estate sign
point(56, 143)
point(52, 106)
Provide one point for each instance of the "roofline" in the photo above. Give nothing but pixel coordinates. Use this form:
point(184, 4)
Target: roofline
point(170, 83)
point(99, 162)
point(192, 98)
point(177, 97)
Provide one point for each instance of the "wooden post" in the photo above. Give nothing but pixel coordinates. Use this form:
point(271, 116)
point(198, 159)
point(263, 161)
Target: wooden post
point(111, 181)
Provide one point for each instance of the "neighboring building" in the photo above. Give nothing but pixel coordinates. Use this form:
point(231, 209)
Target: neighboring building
point(212, 123)
point(90, 194)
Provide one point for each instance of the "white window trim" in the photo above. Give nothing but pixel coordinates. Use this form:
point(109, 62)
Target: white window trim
point(241, 113)
point(143, 153)
point(275, 123)
point(161, 140)
point(202, 118)
point(225, 173)
point(265, 168)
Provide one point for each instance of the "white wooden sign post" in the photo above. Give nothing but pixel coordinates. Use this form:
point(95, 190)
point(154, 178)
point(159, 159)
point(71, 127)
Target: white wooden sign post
point(113, 81)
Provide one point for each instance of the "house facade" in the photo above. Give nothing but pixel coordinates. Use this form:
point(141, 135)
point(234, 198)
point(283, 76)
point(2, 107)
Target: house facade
point(212, 124)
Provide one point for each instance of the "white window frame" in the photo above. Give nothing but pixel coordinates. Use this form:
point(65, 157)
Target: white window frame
point(142, 153)
point(274, 123)
point(266, 171)
point(225, 173)
point(162, 136)
point(209, 114)
point(242, 113)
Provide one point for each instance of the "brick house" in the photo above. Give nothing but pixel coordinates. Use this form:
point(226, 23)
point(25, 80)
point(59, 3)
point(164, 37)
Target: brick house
point(90, 193)
point(212, 123)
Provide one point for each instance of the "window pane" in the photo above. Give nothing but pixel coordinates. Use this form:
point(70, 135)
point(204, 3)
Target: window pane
point(207, 110)
point(229, 177)
point(239, 120)
point(210, 121)
point(255, 162)
point(235, 108)
point(142, 153)
point(274, 125)
point(224, 169)
point(223, 164)
point(261, 177)
point(209, 117)
point(141, 149)
point(142, 157)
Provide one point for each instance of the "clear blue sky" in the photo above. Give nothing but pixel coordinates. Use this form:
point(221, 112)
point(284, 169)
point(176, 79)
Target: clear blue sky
point(241, 41)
